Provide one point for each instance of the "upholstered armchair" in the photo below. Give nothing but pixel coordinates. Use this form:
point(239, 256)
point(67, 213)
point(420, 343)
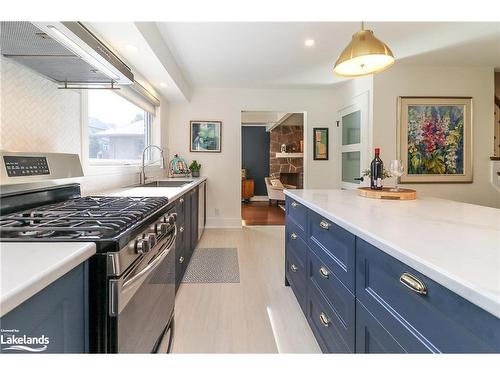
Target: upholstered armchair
point(275, 189)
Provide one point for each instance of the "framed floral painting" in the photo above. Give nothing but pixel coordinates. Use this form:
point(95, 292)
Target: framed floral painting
point(435, 139)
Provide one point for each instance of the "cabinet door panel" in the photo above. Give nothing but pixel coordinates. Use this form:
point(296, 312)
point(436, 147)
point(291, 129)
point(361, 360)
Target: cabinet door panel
point(437, 320)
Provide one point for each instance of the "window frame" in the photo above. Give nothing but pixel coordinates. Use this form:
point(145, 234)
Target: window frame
point(106, 166)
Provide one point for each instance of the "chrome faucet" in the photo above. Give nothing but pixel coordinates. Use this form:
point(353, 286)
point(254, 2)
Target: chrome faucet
point(143, 173)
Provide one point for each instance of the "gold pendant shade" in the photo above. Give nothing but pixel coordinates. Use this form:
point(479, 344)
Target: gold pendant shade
point(365, 54)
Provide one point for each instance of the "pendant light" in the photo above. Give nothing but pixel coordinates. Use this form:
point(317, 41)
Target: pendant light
point(365, 54)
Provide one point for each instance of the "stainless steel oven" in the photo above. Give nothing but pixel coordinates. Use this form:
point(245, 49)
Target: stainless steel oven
point(141, 300)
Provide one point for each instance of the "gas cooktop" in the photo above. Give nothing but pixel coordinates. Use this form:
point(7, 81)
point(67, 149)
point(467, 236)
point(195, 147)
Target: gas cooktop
point(92, 218)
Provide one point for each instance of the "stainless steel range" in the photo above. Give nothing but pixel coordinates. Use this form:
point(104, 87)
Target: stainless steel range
point(132, 276)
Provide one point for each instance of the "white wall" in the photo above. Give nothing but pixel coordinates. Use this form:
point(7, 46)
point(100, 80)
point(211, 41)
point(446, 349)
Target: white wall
point(223, 170)
point(38, 117)
point(477, 82)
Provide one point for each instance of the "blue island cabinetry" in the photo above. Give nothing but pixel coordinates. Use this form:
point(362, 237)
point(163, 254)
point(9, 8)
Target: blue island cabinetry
point(52, 321)
point(359, 299)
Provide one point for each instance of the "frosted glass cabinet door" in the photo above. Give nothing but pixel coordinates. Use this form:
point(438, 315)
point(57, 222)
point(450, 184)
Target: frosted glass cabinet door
point(351, 128)
point(351, 166)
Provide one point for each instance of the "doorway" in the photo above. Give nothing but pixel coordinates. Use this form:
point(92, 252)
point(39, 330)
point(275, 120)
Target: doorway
point(272, 155)
point(353, 122)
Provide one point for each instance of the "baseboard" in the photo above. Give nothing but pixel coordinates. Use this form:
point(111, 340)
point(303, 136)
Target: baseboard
point(223, 222)
point(259, 198)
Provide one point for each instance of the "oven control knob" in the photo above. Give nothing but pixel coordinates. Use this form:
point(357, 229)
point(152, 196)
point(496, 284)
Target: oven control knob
point(163, 228)
point(151, 239)
point(172, 218)
point(142, 246)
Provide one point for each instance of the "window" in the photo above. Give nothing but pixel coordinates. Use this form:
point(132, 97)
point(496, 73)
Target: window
point(118, 130)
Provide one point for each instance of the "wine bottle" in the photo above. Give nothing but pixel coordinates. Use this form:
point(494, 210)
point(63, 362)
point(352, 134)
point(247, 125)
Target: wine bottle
point(376, 171)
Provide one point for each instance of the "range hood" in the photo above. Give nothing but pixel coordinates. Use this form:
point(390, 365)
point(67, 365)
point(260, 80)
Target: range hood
point(65, 52)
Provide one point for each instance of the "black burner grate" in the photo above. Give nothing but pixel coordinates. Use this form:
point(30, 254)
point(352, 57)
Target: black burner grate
point(80, 218)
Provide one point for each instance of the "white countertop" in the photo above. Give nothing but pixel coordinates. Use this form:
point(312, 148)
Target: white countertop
point(172, 193)
point(27, 268)
point(455, 244)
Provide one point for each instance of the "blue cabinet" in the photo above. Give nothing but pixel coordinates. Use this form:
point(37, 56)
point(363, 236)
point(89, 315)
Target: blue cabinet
point(432, 319)
point(54, 319)
point(358, 298)
point(186, 208)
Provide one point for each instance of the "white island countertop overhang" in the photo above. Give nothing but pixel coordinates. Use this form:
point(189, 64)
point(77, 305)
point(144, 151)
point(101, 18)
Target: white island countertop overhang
point(28, 267)
point(455, 244)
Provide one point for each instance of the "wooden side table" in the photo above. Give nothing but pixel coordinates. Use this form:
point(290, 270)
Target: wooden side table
point(247, 189)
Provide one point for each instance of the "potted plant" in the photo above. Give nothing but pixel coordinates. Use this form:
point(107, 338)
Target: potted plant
point(195, 168)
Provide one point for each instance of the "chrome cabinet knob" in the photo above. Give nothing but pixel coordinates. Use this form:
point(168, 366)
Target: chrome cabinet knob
point(294, 268)
point(294, 204)
point(323, 318)
point(181, 229)
point(324, 272)
point(324, 225)
point(293, 236)
point(181, 260)
point(181, 200)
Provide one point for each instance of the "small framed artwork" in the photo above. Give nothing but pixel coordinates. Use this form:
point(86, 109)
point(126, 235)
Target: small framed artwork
point(435, 139)
point(320, 146)
point(205, 136)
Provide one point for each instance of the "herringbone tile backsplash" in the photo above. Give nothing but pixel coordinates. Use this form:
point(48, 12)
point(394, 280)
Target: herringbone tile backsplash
point(35, 115)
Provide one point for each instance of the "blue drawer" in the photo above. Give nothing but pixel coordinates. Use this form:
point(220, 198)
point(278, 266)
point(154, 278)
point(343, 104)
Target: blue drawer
point(327, 326)
point(438, 321)
point(295, 242)
point(295, 273)
point(371, 337)
point(298, 212)
point(335, 246)
point(341, 300)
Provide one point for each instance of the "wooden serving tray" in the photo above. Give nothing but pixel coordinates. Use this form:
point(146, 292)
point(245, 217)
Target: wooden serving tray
point(385, 193)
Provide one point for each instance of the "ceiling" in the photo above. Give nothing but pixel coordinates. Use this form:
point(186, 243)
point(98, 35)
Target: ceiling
point(273, 54)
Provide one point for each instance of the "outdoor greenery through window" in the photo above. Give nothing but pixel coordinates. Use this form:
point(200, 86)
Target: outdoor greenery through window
point(118, 129)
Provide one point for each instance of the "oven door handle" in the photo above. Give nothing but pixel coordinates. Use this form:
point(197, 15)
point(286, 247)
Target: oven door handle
point(127, 284)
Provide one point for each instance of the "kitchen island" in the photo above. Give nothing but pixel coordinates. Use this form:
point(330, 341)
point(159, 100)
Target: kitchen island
point(384, 261)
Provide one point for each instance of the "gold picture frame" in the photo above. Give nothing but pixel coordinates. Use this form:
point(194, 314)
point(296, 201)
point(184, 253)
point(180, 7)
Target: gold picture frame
point(435, 139)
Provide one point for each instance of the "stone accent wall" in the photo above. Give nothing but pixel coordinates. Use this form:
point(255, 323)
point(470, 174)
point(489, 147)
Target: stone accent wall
point(291, 136)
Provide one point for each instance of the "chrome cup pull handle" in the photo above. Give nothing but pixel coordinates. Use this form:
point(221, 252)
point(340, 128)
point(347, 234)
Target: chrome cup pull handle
point(413, 283)
point(294, 204)
point(294, 268)
point(323, 318)
point(324, 225)
point(293, 236)
point(324, 272)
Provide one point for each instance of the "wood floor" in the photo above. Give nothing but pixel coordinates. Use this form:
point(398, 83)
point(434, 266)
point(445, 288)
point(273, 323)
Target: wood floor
point(257, 315)
point(261, 213)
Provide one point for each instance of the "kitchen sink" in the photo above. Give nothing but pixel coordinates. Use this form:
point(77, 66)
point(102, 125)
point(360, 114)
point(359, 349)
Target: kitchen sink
point(166, 183)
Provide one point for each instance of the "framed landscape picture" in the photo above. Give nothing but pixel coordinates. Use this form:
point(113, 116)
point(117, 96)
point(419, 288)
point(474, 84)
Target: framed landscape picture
point(205, 136)
point(435, 139)
point(320, 147)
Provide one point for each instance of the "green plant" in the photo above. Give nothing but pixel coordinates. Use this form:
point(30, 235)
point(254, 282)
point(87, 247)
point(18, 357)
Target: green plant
point(195, 166)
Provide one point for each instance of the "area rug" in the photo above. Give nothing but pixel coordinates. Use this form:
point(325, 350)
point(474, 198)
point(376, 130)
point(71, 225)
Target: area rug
point(213, 265)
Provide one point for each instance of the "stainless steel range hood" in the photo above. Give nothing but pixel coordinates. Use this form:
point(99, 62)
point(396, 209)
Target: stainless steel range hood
point(65, 52)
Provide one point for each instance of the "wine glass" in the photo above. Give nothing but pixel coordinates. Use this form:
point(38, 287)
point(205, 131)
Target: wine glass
point(396, 168)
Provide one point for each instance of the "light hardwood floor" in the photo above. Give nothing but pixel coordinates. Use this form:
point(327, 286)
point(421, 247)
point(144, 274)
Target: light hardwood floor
point(257, 315)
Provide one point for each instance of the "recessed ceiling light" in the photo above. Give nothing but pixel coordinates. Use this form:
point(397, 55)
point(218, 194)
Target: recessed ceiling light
point(132, 48)
point(309, 42)
point(163, 84)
